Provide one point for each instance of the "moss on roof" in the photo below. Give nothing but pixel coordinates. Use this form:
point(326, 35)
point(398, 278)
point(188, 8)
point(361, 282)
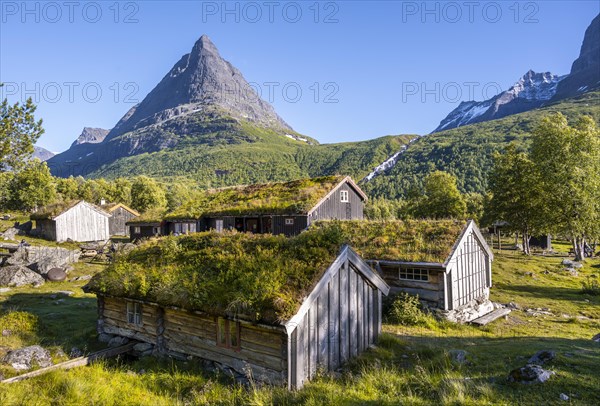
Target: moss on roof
point(150, 216)
point(110, 207)
point(406, 241)
point(254, 277)
point(295, 197)
point(52, 210)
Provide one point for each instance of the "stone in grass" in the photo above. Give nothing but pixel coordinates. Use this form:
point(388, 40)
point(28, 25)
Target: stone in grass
point(17, 276)
point(56, 275)
point(28, 357)
point(529, 374)
point(75, 353)
point(564, 397)
point(596, 338)
point(459, 356)
point(571, 264)
point(541, 357)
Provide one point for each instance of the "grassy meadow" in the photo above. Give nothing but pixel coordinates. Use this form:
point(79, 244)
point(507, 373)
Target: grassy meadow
point(411, 365)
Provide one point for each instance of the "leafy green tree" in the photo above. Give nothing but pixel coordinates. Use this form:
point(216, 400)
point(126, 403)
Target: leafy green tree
point(32, 186)
point(516, 194)
point(440, 198)
point(5, 181)
point(475, 206)
point(568, 161)
point(146, 194)
point(178, 193)
point(66, 188)
point(121, 191)
point(18, 132)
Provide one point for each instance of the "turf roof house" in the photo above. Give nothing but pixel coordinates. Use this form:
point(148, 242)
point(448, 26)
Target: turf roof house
point(149, 224)
point(120, 215)
point(274, 208)
point(76, 221)
point(447, 263)
point(322, 306)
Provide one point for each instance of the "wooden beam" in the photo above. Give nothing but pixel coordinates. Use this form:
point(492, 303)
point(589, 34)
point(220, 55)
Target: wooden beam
point(488, 318)
point(76, 362)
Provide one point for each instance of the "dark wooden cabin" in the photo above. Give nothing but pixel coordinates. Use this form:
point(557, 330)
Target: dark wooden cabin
point(286, 208)
point(76, 221)
point(336, 317)
point(120, 215)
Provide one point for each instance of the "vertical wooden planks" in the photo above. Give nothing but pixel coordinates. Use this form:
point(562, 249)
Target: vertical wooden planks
point(334, 319)
point(360, 328)
point(312, 340)
point(323, 340)
point(353, 312)
point(344, 314)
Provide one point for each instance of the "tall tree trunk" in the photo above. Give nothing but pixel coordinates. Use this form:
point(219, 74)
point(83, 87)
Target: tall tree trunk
point(578, 249)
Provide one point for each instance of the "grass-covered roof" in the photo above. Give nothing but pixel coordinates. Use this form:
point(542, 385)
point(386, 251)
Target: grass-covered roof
point(254, 277)
point(294, 197)
point(406, 241)
point(52, 211)
point(151, 216)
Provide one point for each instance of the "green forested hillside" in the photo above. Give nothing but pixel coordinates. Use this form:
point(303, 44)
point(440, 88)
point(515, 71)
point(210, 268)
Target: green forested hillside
point(467, 152)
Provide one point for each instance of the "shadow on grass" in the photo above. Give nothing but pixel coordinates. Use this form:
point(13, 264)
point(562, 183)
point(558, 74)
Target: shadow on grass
point(555, 292)
point(62, 320)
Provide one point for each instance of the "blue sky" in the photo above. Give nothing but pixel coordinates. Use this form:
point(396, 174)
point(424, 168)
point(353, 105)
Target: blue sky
point(364, 69)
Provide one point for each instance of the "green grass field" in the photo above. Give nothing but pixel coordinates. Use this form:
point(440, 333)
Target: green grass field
point(411, 365)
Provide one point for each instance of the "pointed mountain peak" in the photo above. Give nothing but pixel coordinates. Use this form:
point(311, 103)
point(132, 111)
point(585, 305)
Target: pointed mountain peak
point(199, 81)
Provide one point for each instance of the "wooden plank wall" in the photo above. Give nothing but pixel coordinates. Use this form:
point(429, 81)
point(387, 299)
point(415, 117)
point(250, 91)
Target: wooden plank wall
point(82, 223)
point(343, 321)
point(469, 273)
point(333, 208)
point(431, 291)
point(262, 350)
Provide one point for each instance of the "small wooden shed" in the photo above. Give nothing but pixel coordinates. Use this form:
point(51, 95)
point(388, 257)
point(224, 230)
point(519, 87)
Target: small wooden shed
point(286, 208)
point(321, 312)
point(77, 221)
point(447, 263)
point(120, 215)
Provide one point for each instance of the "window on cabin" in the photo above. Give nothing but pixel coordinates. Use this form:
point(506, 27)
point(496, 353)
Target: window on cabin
point(156, 230)
point(134, 313)
point(344, 196)
point(289, 222)
point(219, 226)
point(137, 230)
point(414, 274)
point(228, 333)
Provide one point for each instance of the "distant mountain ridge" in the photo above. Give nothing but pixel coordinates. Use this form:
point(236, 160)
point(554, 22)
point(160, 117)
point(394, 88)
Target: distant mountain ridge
point(535, 90)
point(91, 136)
point(41, 153)
point(531, 91)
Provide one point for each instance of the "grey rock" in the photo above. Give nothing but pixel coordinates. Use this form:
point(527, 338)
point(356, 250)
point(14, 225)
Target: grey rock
point(105, 338)
point(571, 264)
point(42, 259)
point(564, 397)
point(75, 353)
point(83, 278)
point(118, 341)
point(6, 333)
point(143, 347)
point(56, 275)
point(541, 357)
point(572, 271)
point(596, 338)
point(17, 276)
point(10, 234)
point(65, 292)
point(28, 357)
point(459, 356)
point(529, 374)
point(91, 136)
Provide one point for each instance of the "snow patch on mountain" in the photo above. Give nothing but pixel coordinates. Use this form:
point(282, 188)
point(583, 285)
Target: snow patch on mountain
point(388, 163)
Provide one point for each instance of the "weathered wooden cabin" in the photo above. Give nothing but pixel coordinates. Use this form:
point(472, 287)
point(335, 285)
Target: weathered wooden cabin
point(120, 215)
point(76, 221)
point(322, 311)
point(147, 225)
point(448, 264)
point(285, 208)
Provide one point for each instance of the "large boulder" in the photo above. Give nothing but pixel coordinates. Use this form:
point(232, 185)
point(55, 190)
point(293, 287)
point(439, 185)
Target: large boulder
point(18, 275)
point(529, 374)
point(28, 357)
point(541, 357)
point(42, 259)
point(10, 234)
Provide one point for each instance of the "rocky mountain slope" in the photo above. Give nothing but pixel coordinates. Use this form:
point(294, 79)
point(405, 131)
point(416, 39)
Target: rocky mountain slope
point(91, 136)
point(41, 153)
point(585, 71)
point(535, 90)
point(203, 101)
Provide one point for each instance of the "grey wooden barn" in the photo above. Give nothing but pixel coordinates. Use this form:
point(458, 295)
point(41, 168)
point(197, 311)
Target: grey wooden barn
point(338, 319)
point(286, 208)
point(447, 263)
point(76, 221)
point(120, 215)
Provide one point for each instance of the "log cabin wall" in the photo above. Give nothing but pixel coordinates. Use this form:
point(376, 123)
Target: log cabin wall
point(261, 350)
point(427, 282)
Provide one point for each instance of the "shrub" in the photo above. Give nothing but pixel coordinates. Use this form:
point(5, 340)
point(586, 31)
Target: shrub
point(406, 310)
point(591, 286)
